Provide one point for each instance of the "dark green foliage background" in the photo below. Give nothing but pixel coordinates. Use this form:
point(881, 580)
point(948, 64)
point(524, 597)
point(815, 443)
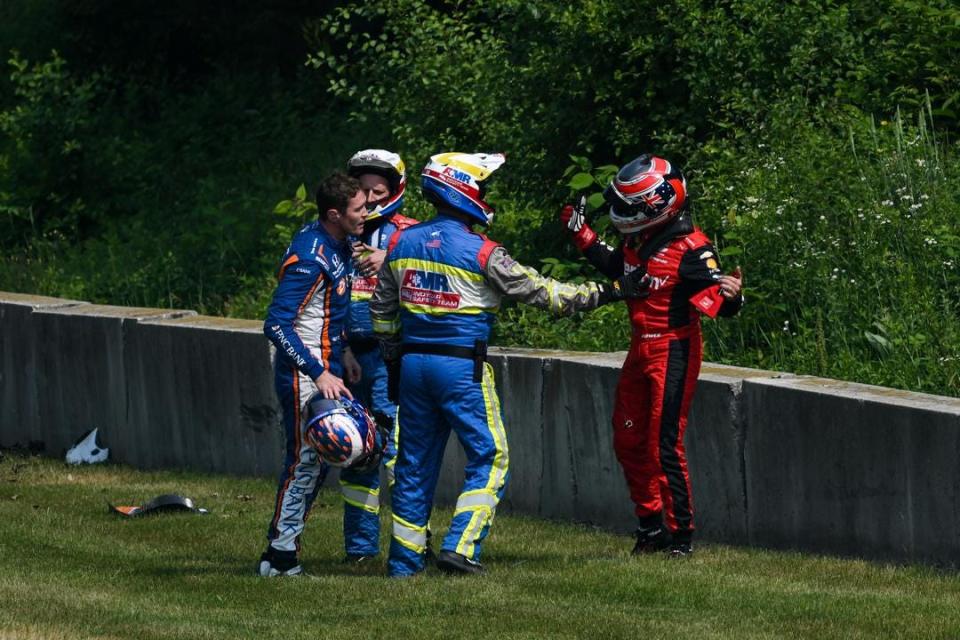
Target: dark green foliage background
point(144, 149)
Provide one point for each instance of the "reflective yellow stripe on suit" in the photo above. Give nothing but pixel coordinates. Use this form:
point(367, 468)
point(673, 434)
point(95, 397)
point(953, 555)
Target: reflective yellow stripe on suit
point(483, 502)
point(409, 535)
point(390, 464)
point(361, 497)
point(386, 326)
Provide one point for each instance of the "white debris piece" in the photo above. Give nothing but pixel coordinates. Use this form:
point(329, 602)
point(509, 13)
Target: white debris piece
point(86, 450)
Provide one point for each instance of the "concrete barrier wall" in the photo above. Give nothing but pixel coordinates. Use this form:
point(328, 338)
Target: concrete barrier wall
point(19, 411)
point(852, 469)
point(81, 377)
point(776, 460)
point(201, 397)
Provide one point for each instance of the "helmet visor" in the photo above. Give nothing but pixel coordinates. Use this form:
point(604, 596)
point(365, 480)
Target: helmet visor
point(622, 208)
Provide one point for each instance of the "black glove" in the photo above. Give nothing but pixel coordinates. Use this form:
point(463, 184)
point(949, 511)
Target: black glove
point(635, 284)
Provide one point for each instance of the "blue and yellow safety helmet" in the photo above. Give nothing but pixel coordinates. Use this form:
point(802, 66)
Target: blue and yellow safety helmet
point(459, 181)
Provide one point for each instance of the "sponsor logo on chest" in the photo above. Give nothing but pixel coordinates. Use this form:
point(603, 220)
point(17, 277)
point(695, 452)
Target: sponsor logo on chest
point(658, 282)
point(428, 289)
point(366, 285)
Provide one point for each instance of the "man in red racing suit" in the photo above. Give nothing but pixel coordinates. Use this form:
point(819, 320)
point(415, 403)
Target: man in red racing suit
point(659, 377)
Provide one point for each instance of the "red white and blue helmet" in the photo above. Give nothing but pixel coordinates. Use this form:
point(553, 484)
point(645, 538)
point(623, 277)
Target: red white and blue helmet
point(645, 193)
point(343, 433)
point(388, 165)
point(458, 181)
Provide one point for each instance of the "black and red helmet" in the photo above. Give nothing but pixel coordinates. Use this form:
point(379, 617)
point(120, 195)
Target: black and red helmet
point(646, 192)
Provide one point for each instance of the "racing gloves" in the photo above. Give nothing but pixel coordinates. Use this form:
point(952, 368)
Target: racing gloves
point(635, 284)
point(574, 220)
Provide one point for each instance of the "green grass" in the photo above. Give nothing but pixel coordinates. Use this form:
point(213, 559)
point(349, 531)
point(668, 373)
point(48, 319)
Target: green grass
point(70, 569)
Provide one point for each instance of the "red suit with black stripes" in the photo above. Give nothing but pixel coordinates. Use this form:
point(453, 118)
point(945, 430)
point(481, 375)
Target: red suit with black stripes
point(659, 376)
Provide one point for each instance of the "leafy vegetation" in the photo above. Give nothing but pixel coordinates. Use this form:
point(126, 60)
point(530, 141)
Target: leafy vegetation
point(818, 138)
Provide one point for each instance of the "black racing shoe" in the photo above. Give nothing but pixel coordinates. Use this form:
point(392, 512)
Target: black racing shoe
point(680, 549)
point(450, 562)
point(277, 564)
point(651, 540)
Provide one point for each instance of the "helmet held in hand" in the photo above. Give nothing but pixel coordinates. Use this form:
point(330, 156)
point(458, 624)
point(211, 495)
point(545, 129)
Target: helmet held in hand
point(343, 433)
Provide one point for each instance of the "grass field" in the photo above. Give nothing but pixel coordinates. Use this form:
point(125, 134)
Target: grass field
point(70, 569)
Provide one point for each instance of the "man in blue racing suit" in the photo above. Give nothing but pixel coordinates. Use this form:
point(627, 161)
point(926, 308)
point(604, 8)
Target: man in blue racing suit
point(434, 305)
point(306, 322)
point(383, 180)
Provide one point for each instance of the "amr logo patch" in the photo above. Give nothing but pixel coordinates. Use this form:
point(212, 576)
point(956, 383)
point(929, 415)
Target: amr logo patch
point(428, 289)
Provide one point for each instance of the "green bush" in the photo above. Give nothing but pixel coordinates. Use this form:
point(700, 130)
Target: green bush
point(764, 105)
point(608, 79)
point(135, 194)
point(847, 234)
point(153, 180)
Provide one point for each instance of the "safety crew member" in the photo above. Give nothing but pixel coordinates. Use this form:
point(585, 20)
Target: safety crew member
point(383, 179)
point(434, 305)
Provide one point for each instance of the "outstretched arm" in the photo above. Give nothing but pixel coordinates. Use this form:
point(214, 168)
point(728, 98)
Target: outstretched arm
point(524, 284)
point(385, 314)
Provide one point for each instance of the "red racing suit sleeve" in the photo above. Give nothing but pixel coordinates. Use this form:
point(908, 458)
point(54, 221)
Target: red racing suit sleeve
point(699, 271)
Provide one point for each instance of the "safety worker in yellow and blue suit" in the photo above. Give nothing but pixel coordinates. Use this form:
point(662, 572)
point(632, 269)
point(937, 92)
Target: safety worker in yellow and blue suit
point(383, 181)
point(434, 306)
